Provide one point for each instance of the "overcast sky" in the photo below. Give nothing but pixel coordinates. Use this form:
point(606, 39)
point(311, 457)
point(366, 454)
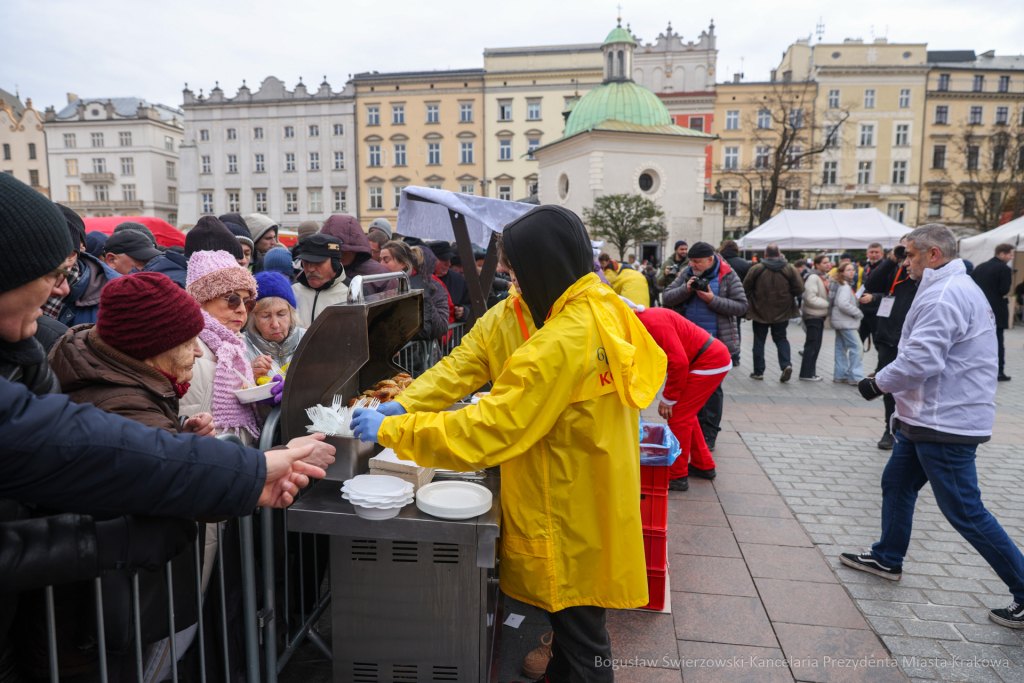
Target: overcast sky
point(106, 48)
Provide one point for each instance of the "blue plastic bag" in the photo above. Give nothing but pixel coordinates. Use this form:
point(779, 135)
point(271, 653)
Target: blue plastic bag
point(658, 445)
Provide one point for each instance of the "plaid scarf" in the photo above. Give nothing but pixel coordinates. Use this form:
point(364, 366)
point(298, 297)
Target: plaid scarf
point(55, 304)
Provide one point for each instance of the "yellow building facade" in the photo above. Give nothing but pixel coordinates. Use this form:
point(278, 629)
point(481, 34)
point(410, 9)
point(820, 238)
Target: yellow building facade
point(23, 143)
point(417, 128)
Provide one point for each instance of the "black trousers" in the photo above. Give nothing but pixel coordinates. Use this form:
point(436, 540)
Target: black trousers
point(710, 416)
point(886, 354)
point(581, 650)
point(812, 345)
point(1002, 349)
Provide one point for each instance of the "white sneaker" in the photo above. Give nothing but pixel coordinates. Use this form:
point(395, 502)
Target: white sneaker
point(811, 379)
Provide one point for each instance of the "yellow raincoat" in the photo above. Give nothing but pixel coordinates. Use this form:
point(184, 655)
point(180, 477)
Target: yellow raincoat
point(561, 421)
point(632, 285)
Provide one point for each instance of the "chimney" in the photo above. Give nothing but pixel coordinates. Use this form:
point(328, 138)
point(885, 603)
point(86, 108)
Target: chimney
point(736, 78)
point(72, 97)
point(773, 75)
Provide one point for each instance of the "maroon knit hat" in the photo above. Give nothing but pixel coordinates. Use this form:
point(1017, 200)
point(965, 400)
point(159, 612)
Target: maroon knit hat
point(144, 314)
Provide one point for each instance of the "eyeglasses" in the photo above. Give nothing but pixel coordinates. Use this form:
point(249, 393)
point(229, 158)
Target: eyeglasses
point(234, 300)
point(59, 275)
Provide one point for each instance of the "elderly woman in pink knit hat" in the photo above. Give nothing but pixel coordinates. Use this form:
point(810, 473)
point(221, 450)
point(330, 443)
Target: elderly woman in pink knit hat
point(226, 293)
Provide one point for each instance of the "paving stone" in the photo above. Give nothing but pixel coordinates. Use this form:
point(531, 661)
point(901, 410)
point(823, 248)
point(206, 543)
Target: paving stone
point(929, 629)
point(940, 613)
point(830, 646)
point(994, 634)
point(770, 531)
point(785, 562)
point(716, 575)
point(885, 626)
point(886, 609)
point(716, 663)
point(638, 635)
point(684, 539)
point(913, 647)
point(721, 619)
point(816, 604)
point(939, 597)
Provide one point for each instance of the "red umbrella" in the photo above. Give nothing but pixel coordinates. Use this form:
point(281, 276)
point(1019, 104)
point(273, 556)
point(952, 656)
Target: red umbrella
point(166, 234)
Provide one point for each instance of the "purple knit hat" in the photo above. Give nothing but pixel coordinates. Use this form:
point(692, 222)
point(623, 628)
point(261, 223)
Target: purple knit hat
point(212, 273)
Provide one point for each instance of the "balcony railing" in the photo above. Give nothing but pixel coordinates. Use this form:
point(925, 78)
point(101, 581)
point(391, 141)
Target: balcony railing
point(97, 177)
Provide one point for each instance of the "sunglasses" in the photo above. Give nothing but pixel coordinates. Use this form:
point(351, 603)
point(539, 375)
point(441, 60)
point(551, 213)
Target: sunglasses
point(234, 300)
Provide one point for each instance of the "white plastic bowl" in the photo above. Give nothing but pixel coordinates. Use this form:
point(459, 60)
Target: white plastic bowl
point(376, 513)
point(377, 485)
point(253, 394)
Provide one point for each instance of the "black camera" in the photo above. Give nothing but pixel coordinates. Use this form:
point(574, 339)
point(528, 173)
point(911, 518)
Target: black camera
point(701, 284)
point(900, 252)
point(674, 270)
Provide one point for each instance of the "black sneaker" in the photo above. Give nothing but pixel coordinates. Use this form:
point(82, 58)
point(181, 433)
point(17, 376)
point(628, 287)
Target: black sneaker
point(754, 375)
point(887, 442)
point(1003, 378)
point(703, 474)
point(680, 484)
point(1011, 617)
point(867, 563)
point(786, 374)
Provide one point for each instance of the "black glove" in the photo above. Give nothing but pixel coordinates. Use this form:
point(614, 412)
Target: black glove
point(868, 389)
point(138, 542)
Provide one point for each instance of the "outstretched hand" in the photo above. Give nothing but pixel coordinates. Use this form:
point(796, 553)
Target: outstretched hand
point(286, 474)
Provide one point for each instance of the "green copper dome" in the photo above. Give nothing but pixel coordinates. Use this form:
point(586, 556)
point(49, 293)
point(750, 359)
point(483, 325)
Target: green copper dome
point(622, 101)
point(619, 35)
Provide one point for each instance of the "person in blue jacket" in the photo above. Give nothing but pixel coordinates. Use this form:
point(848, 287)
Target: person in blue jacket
point(85, 281)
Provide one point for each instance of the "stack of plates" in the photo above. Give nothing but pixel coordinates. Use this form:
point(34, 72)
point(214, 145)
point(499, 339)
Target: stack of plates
point(453, 499)
point(377, 496)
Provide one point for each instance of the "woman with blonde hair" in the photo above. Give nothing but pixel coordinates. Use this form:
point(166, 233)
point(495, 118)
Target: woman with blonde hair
point(845, 316)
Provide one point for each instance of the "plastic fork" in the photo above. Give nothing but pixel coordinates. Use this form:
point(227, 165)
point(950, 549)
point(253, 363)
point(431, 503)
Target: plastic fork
point(337, 402)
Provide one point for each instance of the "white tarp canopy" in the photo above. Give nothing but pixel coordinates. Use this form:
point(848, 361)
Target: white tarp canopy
point(431, 221)
point(981, 248)
point(838, 229)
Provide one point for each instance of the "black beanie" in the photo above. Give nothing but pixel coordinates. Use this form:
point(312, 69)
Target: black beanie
point(700, 250)
point(210, 234)
point(75, 225)
point(34, 237)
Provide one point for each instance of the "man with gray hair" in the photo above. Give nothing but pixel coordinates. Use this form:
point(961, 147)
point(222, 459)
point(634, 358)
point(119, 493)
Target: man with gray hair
point(944, 383)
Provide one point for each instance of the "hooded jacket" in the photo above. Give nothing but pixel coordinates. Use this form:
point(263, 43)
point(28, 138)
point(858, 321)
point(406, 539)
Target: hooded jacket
point(435, 298)
point(631, 284)
point(174, 266)
point(311, 302)
point(944, 378)
point(815, 300)
point(995, 279)
point(82, 304)
point(843, 311)
point(353, 239)
point(728, 304)
point(560, 420)
point(772, 286)
point(739, 265)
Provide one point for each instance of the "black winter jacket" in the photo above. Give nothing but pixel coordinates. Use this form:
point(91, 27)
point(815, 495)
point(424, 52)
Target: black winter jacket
point(890, 329)
point(995, 279)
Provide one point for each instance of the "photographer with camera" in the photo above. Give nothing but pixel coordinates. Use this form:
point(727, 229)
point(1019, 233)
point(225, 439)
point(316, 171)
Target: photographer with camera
point(709, 294)
point(772, 287)
point(890, 281)
point(671, 267)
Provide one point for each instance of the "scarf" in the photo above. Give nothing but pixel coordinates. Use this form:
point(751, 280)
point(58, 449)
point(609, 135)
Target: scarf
point(228, 414)
point(179, 389)
point(55, 304)
point(281, 353)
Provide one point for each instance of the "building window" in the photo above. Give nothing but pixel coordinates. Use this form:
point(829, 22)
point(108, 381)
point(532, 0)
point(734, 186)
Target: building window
point(943, 82)
point(973, 154)
point(531, 144)
point(505, 192)
point(129, 192)
point(70, 166)
point(467, 189)
point(170, 170)
point(396, 196)
point(373, 158)
point(373, 116)
point(204, 135)
point(316, 201)
point(207, 202)
point(899, 173)
point(168, 143)
point(31, 151)
point(399, 154)
point(127, 166)
point(99, 165)
point(234, 202)
point(339, 161)
point(74, 193)
point(125, 138)
point(998, 157)
point(764, 119)
point(896, 211)
point(376, 198)
point(904, 98)
point(792, 199)
point(314, 130)
point(398, 114)
point(1004, 84)
point(466, 153)
point(97, 139)
point(232, 163)
point(340, 203)
point(794, 156)
point(314, 161)
point(979, 83)
point(69, 140)
point(941, 115)
point(504, 111)
point(732, 119)
point(257, 133)
point(172, 218)
point(970, 204)
point(796, 118)
point(260, 166)
point(172, 195)
point(833, 99)
point(466, 112)
point(232, 134)
point(761, 155)
point(824, 206)
point(291, 201)
point(730, 202)
point(939, 157)
point(731, 159)
point(697, 123)
point(433, 154)
point(433, 115)
point(289, 161)
point(867, 135)
point(832, 136)
point(935, 205)
point(756, 200)
point(289, 131)
point(863, 172)
point(533, 111)
point(1002, 116)
point(869, 98)
point(532, 186)
point(902, 134)
point(339, 129)
point(33, 178)
point(260, 197)
point(205, 163)
point(504, 150)
point(829, 171)
point(862, 205)
point(976, 116)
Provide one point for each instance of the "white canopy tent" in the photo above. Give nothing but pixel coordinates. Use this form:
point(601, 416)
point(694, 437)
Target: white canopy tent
point(836, 229)
point(981, 248)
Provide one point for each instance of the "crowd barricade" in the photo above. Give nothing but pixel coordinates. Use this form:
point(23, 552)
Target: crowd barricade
point(419, 356)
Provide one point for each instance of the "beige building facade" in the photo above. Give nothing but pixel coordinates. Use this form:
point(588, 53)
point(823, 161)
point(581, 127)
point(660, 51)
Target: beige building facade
point(23, 142)
point(417, 128)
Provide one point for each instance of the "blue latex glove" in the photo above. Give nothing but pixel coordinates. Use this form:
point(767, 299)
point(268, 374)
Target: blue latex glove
point(366, 424)
point(391, 408)
point(276, 392)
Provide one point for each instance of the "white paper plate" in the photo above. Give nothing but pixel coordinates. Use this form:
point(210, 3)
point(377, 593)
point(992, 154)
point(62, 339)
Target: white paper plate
point(379, 485)
point(375, 513)
point(453, 499)
point(254, 394)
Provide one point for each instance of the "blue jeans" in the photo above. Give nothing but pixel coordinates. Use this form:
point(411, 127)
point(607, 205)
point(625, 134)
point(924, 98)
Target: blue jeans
point(849, 360)
point(778, 331)
point(950, 469)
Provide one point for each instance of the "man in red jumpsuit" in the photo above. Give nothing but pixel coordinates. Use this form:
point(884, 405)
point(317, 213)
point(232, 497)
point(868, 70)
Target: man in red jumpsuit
point(697, 364)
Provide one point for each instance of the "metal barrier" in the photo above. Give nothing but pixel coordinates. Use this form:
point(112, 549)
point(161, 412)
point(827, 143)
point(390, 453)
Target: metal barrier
point(419, 356)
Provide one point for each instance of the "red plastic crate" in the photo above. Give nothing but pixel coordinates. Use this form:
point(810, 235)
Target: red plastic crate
point(656, 549)
point(656, 589)
point(653, 479)
point(654, 511)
